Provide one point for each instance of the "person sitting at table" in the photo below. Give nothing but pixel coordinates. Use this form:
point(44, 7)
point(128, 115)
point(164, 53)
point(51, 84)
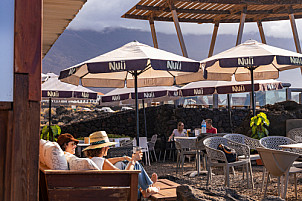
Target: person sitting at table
point(179, 132)
point(99, 146)
point(209, 126)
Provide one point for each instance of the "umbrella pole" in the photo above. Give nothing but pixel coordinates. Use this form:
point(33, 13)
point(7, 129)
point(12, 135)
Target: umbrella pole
point(145, 119)
point(253, 90)
point(49, 123)
point(230, 112)
point(136, 108)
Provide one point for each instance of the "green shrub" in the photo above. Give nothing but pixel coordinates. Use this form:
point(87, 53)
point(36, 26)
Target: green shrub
point(56, 131)
point(258, 124)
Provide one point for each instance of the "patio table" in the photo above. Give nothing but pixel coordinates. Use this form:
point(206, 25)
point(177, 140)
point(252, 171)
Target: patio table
point(291, 146)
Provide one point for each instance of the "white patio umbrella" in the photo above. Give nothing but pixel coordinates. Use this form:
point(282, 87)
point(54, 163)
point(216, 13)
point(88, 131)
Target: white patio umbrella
point(145, 94)
point(134, 64)
point(148, 94)
point(201, 88)
point(53, 88)
point(250, 61)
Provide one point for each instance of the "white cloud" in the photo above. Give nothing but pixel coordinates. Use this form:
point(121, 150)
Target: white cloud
point(99, 14)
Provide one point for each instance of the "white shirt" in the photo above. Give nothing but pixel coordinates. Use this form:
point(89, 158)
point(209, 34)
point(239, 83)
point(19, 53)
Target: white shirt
point(178, 134)
point(99, 161)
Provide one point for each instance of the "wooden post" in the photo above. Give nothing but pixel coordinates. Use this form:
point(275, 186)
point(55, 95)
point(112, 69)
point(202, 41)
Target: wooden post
point(295, 33)
point(20, 120)
point(215, 100)
point(151, 22)
point(178, 30)
point(214, 36)
point(260, 27)
point(241, 26)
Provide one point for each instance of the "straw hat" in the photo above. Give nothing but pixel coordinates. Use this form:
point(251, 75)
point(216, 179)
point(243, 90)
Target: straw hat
point(99, 139)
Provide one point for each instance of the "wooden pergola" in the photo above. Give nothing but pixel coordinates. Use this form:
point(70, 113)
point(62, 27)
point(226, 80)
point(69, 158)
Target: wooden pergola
point(20, 119)
point(216, 12)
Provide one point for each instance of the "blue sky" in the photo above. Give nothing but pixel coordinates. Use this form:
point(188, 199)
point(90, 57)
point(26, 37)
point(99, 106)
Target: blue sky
point(7, 49)
point(100, 14)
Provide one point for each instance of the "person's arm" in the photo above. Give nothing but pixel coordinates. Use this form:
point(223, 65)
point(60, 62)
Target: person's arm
point(117, 159)
point(171, 136)
point(108, 165)
point(135, 157)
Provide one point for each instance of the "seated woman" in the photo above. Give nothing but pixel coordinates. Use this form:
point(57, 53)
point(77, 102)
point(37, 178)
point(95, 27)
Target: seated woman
point(98, 149)
point(179, 132)
point(210, 128)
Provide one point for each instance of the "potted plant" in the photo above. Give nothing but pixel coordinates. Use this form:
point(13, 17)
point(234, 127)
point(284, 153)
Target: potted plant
point(52, 134)
point(258, 124)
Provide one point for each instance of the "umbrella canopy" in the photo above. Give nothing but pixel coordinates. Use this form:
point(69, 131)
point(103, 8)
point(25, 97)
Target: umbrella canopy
point(134, 64)
point(148, 94)
point(227, 87)
point(155, 67)
point(54, 88)
point(248, 61)
point(266, 61)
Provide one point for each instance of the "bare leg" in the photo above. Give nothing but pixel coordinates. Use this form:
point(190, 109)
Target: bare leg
point(154, 178)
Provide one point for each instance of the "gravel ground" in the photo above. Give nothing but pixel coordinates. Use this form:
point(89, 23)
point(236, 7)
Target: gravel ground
point(237, 183)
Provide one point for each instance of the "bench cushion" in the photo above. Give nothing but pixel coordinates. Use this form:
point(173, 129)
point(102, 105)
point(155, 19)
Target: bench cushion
point(76, 163)
point(52, 155)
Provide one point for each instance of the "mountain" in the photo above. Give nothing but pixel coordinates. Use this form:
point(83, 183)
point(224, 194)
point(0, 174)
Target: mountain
point(73, 47)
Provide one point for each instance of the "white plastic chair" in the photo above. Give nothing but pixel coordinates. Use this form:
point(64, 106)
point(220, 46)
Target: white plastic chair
point(184, 147)
point(279, 163)
point(151, 145)
point(274, 142)
point(143, 143)
point(214, 155)
point(295, 134)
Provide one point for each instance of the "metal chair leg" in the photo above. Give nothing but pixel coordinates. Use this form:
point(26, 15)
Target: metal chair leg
point(154, 155)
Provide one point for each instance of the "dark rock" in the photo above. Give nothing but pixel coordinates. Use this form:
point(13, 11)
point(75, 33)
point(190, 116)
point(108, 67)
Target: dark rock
point(187, 193)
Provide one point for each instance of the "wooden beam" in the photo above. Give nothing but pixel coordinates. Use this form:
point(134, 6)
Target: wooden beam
point(19, 139)
point(32, 144)
point(240, 29)
point(295, 34)
point(179, 34)
point(214, 36)
point(3, 135)
point(260, 27)
point(280, 10)
point(213, 20)
point(28, 43)
point(153, 32)
point(250, 2)
point(6, 105)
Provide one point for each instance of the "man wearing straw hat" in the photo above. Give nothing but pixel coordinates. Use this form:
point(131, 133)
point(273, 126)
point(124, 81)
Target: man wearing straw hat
point(99, 146)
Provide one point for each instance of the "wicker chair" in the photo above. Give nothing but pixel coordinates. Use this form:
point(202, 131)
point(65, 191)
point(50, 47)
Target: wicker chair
point(279, 163)
point(250, 142)
point(184, 147)
point(214, 155)
point(151, 145)
point(274, 142)
point(295, 134)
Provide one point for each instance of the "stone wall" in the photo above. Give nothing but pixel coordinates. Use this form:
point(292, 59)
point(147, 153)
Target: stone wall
point(160, 120)
point(163, 119)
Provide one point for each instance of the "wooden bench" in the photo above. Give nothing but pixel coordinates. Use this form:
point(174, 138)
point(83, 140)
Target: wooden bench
point(167, 190)
point(88, 185)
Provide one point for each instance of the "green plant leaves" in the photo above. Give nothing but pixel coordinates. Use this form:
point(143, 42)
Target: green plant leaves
point(258, 124)
point(45, 134)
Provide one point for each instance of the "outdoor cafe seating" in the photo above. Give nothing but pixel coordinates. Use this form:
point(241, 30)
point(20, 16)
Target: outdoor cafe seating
point(217, 158)
point(185, 146)
point(295, 134)
point(279, 163)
